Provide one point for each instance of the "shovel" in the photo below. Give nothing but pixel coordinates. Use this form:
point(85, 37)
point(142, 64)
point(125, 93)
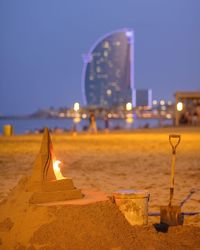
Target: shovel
point(171, 215)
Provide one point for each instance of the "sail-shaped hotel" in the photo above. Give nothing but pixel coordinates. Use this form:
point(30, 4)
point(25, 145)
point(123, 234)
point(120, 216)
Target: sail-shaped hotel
point(108, 71)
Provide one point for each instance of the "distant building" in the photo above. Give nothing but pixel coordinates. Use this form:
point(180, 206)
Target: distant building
point(108, 71)
point(187, 108)
point(143, 97)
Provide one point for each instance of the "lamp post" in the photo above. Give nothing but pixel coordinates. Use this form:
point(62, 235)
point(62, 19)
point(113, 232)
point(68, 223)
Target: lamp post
point(129, 115)
point(129, 106)
point(76, 118)
point(179, 108)
point(76, 106)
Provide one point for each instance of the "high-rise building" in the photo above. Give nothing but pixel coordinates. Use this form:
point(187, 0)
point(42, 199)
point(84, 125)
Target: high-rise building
point(108, 71)
point(143, 97)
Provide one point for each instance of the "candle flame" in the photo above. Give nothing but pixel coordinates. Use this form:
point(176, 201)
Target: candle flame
point(57, 171)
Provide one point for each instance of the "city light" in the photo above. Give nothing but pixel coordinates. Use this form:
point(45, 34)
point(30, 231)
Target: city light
point(163, 108)
point(169, 103)
point(129, 120)
point(155, 102)
point(129, 106)
point(84, 116)
point(62, 115)
point(129, 33)
point(76, 106)
point(179, 106)
point(168, 116)
point(162, 102)
point(77, 119)
point(109, 92)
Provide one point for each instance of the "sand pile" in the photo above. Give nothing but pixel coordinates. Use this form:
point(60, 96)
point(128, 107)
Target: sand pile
point(96, 226)
point(138, 160)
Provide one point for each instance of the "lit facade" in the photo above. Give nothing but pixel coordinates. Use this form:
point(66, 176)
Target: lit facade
point(108, 73)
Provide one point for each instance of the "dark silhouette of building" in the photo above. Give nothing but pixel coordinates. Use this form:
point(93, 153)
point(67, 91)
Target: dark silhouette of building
point(108, 73)
point(143, 97)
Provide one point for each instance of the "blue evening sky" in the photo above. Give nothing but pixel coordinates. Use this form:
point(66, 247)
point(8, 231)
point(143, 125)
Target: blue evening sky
point(42, 42)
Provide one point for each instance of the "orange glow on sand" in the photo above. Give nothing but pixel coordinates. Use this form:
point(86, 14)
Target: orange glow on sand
point(57, 171)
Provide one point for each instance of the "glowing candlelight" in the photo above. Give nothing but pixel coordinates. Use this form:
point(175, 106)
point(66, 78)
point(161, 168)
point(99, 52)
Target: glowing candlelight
point(57, 171)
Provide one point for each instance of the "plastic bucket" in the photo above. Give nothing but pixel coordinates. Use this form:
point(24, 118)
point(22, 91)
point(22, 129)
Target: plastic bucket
point(7, 130)
point(133, 204)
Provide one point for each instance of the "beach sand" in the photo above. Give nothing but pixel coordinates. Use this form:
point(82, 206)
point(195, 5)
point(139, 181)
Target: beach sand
point(140, 159)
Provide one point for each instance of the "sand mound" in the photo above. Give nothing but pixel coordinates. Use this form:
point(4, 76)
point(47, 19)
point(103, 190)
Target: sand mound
point(95, 226)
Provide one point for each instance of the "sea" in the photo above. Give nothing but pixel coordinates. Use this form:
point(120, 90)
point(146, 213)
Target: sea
point(24, 126)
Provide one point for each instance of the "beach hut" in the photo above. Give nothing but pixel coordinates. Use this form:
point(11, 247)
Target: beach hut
point(187, 110)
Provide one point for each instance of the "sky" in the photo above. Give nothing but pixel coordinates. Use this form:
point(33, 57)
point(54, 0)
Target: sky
point(42, 43)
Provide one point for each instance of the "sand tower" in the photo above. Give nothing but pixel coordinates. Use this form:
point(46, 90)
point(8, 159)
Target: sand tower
point(47, 182)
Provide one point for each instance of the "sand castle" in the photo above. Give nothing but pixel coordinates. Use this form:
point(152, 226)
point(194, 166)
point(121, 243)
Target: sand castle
point(47, 182)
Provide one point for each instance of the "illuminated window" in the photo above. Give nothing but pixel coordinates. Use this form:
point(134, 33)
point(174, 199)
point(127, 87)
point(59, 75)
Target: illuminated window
point(98, 69)
point(118, 43)
point(109, 92)
point(106, 45)
point(105, 53)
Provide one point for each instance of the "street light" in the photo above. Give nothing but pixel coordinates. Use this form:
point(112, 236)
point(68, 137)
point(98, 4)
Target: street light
point(155, 102)
point(77, 117)
point(129, 106)
point(129, 115)
point(162, 102)
point(179, 106)
point(76, 106)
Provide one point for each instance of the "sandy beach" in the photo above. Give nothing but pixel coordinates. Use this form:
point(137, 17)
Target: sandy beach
point(140, 159)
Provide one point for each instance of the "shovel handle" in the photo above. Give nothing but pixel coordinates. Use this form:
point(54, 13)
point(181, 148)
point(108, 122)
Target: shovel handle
point(172, 179)
point(174, 143)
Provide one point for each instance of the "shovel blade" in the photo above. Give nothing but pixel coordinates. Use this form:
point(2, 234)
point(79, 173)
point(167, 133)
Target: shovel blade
point(171, 215)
